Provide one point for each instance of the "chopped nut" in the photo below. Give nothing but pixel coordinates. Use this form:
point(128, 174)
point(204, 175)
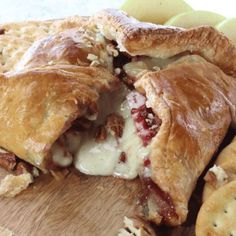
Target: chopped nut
point(95, 63)
point(92, 57)
point(35, 172)
point(115, 125)
point(112, 50)
point(101, 133)
point(117, 71)
point(7, 160)
point(216, 176)
point(136, 227)
point(22, 168)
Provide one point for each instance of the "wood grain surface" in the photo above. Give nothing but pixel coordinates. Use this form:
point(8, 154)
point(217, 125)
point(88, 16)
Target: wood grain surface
point(77, 205)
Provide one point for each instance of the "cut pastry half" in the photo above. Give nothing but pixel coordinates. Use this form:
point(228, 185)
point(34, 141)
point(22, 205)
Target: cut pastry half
point(138, 38)
point(159, 131)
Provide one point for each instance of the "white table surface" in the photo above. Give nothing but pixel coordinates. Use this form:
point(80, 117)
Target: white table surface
point(17, 10)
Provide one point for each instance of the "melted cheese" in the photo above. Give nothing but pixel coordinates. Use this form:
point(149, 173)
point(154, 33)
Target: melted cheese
point(103, 158)
point(134, 68)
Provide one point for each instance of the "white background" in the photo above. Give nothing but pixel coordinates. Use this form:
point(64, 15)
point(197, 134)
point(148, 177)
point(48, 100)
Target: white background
point(16, 10)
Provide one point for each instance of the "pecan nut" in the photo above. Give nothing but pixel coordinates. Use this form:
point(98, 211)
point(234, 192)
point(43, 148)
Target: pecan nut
point(7, 160)
point(115, 125)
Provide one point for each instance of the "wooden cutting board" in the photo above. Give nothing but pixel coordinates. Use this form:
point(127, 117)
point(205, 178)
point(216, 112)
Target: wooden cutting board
point(78, 205)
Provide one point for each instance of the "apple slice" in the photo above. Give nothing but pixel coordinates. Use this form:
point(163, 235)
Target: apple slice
point(228, 27)
point(155, 11)
point(194, 19)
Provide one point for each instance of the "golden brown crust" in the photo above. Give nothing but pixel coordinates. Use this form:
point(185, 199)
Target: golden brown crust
point(18, 37)
point(71, 47)
point(190, 99)
point(38, 105)
point(148, 39)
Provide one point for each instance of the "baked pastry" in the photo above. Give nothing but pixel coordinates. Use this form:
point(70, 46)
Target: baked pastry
point(83, 46)
point(191, 99)
point(16, 38)
point(39, 105)
point(166, 132)
point(137, 38)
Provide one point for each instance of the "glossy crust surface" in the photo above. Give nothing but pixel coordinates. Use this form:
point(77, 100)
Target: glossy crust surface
point(38, 105)
point(16, 38)
point(191, 98)
point(139, 38)
point(70, 47)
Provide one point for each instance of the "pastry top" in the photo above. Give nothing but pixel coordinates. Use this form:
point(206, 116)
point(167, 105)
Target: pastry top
point(148, 39)
point(73, 47)
point(16, 38)
point(191, 99)
point(38, 105)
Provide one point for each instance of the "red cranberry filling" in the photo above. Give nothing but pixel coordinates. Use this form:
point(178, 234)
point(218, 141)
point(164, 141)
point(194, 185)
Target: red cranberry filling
point(122, 158)
point(147, 162)
point(146, 122)
point(166, 208)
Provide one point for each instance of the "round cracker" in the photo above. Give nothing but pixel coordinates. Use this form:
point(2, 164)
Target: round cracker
point(217, 214)
point(230, 169)
point(227, 154)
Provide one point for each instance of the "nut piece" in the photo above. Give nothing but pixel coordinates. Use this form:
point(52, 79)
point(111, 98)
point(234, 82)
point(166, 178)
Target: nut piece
point(12, 185)
point(22, 168)
point(136, 227)
point(7, 160)
point(216, 176)
point(101, 133)
point(115, 125)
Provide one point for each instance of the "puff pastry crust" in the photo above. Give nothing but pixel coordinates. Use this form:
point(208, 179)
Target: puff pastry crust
point(137, 38)
point(191, 98)
point(38, 105)
point(18, 37)
point(70, 47)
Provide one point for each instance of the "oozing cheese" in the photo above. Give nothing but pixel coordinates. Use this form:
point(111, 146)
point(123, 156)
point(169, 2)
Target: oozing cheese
point(133, 68)
point(103, 158)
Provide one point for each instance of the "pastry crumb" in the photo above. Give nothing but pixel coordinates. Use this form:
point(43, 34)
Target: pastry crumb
point(135, 227)
point(12, 185)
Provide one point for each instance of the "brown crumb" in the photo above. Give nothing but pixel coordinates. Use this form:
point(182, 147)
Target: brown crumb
point(12, 185)
point(136, 227)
